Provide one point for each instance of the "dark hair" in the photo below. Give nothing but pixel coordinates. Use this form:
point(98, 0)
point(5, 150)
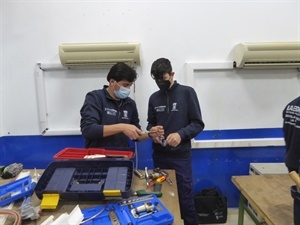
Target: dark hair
point(122, 71)
point(160, 67)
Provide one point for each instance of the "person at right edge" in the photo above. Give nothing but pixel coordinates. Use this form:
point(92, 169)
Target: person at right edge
point(176, 108)
point(291, 133)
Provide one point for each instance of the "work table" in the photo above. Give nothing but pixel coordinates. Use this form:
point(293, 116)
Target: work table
point(169, 199)
point(269, 195)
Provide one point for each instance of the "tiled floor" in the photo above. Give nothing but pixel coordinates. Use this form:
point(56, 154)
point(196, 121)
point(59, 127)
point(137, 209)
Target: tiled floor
point(232, 218)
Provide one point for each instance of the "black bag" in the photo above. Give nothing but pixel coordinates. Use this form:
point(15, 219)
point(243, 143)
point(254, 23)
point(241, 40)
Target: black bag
point(211, 206)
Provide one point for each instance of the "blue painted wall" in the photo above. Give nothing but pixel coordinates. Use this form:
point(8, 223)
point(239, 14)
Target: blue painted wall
point(211, 167)
point(215, 167)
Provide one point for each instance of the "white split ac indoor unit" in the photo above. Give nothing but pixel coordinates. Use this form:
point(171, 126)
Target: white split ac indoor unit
point(99, 55)
point(267, 55)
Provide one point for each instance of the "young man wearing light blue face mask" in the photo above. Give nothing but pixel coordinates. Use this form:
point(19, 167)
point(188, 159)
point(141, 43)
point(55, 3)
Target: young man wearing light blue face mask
point(109, 117)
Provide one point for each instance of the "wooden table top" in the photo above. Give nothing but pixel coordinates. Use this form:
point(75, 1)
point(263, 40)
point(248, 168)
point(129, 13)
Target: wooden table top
point(269, 195)
point(169, 199)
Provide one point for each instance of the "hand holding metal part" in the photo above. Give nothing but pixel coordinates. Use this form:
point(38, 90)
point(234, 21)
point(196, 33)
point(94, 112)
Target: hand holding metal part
point(155, 132)
point(173, 139)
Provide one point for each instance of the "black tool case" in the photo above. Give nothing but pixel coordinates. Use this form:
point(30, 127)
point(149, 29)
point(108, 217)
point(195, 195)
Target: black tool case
point(87, 179)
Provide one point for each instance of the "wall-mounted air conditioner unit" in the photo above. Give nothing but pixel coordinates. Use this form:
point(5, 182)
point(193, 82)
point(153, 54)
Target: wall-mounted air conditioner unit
point(99, 55)
point(267, 55)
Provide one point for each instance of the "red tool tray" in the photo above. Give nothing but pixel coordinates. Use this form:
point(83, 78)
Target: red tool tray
point(81, 153)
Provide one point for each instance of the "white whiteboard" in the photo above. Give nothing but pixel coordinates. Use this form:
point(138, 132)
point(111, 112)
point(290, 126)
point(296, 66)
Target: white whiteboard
point(61, 93)
point(229, 98)
point(242, 99)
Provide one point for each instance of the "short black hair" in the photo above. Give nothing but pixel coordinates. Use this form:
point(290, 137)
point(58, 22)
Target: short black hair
point(160, 67)
point(121, 71)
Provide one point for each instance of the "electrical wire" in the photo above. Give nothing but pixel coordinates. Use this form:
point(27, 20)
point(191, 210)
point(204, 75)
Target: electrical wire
point(94, 216)
point(10, 212)
point(136, 155)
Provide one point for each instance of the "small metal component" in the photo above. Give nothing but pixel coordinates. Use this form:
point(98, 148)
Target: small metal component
point(154, 175)
point(165, 173)
point(147, 208)
point(134, 200)
point(169, 181)
point(156, 170)
point(113, 217)
point(163, 142)
point(138, 174)
point(147, 176)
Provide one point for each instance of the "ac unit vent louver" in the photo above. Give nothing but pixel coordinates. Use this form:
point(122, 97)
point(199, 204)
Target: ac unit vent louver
point(99, 55)
point(267, 55)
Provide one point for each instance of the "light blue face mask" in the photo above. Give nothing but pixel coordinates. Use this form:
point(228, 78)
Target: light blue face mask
point(122, 93)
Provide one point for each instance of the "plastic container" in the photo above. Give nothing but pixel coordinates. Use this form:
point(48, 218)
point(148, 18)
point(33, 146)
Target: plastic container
point(296, 196)
point(15, 190)
point(136, 211)
point(93, 153)
point(87, 179)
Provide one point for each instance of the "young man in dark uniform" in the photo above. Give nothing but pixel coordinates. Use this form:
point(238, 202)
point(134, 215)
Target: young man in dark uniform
point(291, 131)
point(109, 117)
point(176, 108)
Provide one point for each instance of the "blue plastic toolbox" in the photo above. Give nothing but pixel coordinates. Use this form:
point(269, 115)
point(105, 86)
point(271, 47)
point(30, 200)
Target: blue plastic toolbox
point(135, 211)
point(15, 190)
point(87, 180)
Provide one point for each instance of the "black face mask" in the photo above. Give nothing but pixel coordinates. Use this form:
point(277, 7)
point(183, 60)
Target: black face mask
point(163, 85)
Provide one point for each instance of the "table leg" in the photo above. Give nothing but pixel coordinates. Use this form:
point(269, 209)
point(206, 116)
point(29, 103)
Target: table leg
point(241, 209)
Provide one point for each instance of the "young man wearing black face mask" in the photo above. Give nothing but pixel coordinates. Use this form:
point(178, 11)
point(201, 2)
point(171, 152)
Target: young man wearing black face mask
point(109, 116)
point(176, 108)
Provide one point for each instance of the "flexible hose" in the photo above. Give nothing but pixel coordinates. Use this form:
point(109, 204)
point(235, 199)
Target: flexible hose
point(10, 212)
point(93, 217)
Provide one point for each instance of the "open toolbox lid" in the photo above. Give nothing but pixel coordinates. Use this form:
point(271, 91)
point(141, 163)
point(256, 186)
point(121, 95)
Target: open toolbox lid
point(88, 180)
point(94, 153)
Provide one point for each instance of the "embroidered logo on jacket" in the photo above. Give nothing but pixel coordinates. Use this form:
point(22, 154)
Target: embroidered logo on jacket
point(292, 115)
point(174, 108)
point(293, 108)
point(125, 115)
point(160, 108)
point(111, 112)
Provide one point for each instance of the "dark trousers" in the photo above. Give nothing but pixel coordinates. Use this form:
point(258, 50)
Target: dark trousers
point(183, 169)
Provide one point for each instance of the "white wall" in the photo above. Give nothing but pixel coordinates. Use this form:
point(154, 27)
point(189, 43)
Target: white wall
point(183, 31)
